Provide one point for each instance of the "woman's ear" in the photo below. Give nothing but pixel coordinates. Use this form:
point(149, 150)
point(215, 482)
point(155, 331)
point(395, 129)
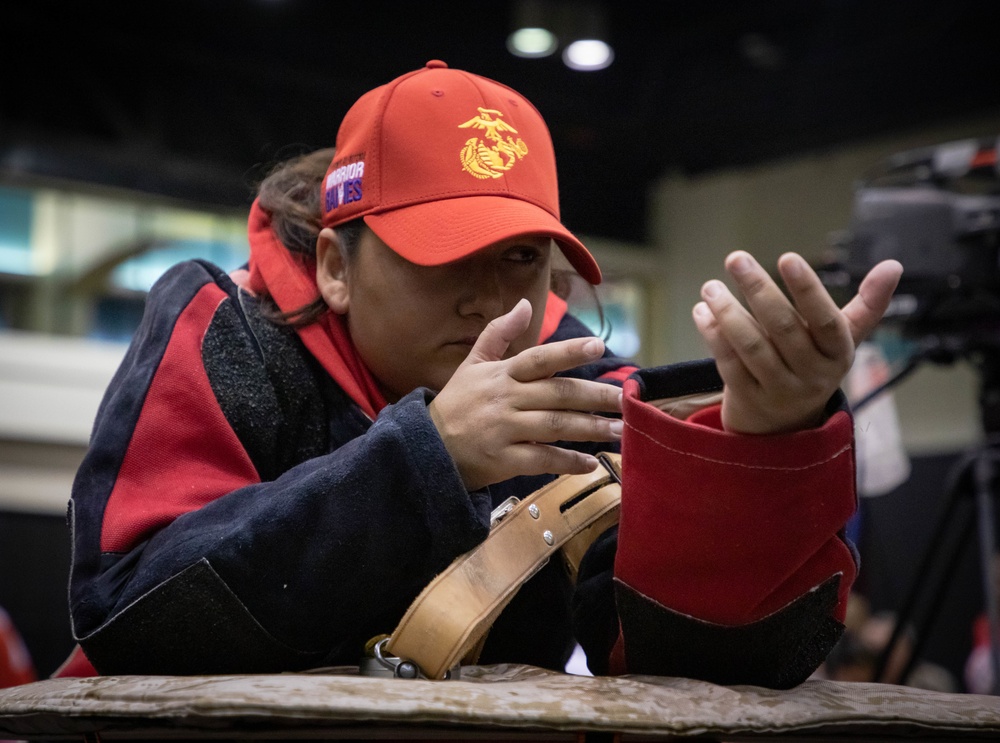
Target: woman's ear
point(331, 272)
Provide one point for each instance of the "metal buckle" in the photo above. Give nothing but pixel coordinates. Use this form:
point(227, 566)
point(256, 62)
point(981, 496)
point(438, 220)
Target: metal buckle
point(497, 514)
point(381, 664)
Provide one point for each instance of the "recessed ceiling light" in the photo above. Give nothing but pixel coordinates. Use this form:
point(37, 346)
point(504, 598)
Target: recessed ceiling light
point(531, 42)
point(588, 55)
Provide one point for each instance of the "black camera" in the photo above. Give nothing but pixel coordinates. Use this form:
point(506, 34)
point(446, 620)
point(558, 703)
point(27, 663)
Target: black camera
point(937, 211)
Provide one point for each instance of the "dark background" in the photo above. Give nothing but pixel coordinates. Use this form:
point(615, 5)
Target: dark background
point(925, 525)
point(193, 98)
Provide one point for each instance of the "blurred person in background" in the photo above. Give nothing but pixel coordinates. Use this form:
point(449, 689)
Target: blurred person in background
point(16, 666)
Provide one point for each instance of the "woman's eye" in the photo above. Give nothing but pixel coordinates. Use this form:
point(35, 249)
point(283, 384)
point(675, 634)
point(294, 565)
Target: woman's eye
point(522, 255)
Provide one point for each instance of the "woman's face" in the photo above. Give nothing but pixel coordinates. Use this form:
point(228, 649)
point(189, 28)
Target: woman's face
point(413, 325)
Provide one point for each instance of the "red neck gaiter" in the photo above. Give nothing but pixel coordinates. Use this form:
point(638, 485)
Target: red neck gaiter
point(290, 280)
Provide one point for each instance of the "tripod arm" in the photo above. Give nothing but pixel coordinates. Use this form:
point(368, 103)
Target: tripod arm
point(983, 476)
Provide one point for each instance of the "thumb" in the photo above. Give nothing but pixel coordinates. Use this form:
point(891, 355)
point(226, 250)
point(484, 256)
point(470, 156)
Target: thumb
point(865, 310)
point(493, 342)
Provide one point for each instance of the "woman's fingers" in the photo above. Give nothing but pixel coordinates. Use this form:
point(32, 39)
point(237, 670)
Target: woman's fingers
point(538, 362)
point(493, 342)
point(827, 327)
point(566, 393)
point(542, 459)
point(782, 356)
point(548, 426)
point(798, 332)
point(866, 309)
point(742, 332)
point(541, 362)
point(729, 363)
point(497, 417)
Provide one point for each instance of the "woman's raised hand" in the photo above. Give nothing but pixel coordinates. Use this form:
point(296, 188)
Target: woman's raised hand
point(500, 417)
point(781, 360)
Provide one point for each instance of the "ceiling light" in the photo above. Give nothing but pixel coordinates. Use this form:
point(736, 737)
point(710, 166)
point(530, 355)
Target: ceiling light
point(588, 55)
point(531, 42)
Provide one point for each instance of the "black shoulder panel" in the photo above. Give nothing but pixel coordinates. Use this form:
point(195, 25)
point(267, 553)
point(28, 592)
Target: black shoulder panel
point(266, 385)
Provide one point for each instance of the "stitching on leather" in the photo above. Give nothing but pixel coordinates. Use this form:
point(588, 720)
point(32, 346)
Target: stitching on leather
point(833, 456)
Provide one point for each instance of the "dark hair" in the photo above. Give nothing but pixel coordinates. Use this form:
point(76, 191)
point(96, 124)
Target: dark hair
point(291, 193)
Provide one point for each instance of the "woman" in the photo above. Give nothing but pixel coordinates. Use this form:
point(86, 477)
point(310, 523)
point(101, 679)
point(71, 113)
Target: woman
point(287, 456)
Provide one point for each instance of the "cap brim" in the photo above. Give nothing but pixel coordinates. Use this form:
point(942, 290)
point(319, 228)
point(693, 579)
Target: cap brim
point(436, 232)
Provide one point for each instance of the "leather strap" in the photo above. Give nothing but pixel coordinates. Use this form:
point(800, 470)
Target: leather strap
point(451, 616)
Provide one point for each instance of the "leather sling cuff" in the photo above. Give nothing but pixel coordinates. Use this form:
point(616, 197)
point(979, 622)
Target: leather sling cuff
point(449, 619)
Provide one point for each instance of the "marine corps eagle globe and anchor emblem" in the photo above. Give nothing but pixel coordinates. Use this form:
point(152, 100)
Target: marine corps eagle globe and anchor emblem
point(483, 161)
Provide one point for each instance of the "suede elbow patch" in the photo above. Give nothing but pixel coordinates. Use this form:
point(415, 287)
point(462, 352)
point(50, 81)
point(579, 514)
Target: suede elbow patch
point(190, 624)
point(778, 651)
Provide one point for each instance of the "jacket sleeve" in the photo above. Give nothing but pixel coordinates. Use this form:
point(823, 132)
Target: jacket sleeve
point(730, 562)
point(186, 560)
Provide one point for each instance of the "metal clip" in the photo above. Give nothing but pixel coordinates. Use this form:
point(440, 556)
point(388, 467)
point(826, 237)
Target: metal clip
point(497, 514)
point(611, 466)
point(390, 665)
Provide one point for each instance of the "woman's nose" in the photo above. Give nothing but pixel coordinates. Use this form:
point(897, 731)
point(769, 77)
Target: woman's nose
point(481, 291)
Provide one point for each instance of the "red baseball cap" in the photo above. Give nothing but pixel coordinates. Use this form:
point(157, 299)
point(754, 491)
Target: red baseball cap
point(442, 163)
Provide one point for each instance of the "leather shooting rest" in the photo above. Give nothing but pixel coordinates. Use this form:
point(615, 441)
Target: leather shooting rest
point(488, 703)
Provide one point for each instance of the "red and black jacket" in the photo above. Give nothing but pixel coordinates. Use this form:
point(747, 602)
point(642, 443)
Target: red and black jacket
point(238, 512)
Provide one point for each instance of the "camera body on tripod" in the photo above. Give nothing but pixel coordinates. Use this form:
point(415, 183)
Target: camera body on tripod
point(937, 211)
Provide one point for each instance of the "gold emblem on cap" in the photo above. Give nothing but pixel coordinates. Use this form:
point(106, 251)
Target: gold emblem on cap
point(483, 161)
